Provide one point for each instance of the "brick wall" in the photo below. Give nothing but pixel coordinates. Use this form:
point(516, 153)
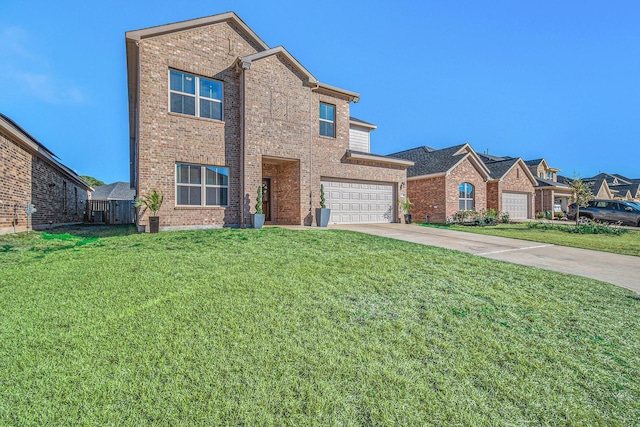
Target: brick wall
point(465, 172)
point(428, 197)
point(27, 178)
point(515, 181)
point(167, 138)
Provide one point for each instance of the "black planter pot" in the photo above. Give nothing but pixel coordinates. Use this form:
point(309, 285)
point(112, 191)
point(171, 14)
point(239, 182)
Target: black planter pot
point(322, 216)
point(407, 218)
point(154, 224)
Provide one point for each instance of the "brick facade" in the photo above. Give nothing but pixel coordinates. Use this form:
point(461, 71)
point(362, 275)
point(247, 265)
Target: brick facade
point(26, 177)
point(438, 197)
point(515, 180)
point(271, 103)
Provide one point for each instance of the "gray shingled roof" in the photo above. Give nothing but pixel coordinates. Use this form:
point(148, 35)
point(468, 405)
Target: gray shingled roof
point(549, 183)
point(489, 158)
point(116, 191)
point(534, 162)
point(428, 161)
point(500, 168)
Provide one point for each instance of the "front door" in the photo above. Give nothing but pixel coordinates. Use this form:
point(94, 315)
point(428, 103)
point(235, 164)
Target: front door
point(266, 198)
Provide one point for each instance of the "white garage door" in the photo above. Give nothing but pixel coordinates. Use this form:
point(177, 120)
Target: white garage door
point(517, 205)
point(353, 202)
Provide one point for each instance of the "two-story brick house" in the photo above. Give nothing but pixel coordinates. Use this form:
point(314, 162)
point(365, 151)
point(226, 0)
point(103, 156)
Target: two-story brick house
point(215, 114)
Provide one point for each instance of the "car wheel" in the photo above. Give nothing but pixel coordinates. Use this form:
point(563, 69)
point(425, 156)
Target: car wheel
point(583, 220)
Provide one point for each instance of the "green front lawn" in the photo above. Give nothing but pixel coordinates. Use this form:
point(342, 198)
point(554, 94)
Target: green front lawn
point(625, 244)
point(313, 327)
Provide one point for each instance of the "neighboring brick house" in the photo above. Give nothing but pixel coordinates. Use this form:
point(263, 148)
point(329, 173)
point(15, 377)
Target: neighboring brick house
point(511, 188)
point(442, 182)
point(549, 190)
point(31, 174)
point(216, 114)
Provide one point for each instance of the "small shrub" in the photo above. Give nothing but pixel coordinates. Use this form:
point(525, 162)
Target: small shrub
point(540, 215)
point(593, 227)
point(481, 218)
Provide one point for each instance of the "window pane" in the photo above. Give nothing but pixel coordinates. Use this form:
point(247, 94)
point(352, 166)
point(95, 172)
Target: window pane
point(224, 196)
point(210, 89)
point(183, 104)
point(217, 196)
point(210, 109)
point(461, 205)
point(327, 111)
point(326, 129)
point(213, 196)
point(217, 176)
point(183, 195)
point(195, 175)
point(183, 174)
point(183, 82)
point(194, 196)
point(223, 176)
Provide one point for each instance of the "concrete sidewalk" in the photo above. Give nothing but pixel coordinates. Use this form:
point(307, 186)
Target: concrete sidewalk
point(620, 270)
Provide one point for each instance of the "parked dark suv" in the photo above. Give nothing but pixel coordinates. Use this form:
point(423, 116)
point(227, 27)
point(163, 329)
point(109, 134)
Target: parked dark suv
point(621, 211)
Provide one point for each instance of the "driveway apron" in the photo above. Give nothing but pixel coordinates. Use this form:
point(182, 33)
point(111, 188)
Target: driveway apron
point(620, 270)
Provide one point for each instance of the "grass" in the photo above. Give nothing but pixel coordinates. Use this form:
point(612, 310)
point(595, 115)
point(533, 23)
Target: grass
point(314, 327)
point(624, 244)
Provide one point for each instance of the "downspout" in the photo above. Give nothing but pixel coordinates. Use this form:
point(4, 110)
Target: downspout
point(242, 138)
point(310, 156)
point(243, 67)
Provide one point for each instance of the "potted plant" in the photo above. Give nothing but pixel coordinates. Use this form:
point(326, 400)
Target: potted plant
point(152, 201)
point(257, 219)
point(406, 207)
point(322, 213)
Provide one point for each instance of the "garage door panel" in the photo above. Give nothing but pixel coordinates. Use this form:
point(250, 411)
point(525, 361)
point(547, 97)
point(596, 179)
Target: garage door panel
point(516, 205)
point(359, 202)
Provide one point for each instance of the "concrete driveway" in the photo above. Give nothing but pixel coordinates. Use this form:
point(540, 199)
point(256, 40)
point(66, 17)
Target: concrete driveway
point(620, 270)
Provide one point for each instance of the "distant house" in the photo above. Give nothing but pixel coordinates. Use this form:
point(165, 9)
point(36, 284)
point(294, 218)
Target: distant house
point(549, 191)
point(442, 182)
point(30, 174)
point(115, 191)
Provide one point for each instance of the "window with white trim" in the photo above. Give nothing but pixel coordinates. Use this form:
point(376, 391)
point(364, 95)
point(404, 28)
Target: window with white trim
point(195, 96)
point(198, 185)
point(466, 196)
point(327, 120)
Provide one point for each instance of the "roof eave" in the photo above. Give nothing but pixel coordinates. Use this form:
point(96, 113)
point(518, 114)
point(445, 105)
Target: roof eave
point(379, 159)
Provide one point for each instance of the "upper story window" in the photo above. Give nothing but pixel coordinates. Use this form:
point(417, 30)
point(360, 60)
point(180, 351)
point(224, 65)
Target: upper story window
point(195, 96)
point(327, 120)
point(549, 175)
point(466, 196)
point(198, 185)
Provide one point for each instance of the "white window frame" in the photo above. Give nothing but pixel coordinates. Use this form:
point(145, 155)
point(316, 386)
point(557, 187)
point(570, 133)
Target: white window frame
point(196, 96)
point(203, 184)
point(466, 200)
point(333, 122)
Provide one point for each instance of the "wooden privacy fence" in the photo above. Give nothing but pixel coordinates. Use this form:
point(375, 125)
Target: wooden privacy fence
point(111, 211)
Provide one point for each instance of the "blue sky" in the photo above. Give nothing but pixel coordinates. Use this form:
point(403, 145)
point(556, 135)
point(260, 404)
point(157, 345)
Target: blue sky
point(559, 80)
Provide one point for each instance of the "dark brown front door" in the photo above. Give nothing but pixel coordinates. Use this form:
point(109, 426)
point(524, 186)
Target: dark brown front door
point(266, 198)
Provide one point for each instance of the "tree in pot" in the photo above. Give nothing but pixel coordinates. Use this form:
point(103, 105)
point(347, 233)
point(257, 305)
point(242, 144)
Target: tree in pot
point(406, 207)
point(153, 202)
point(322, 213)
point(257, 219)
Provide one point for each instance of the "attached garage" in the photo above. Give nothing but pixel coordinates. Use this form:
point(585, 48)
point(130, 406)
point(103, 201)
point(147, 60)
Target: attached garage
point(353, 202)
point(516, 204)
